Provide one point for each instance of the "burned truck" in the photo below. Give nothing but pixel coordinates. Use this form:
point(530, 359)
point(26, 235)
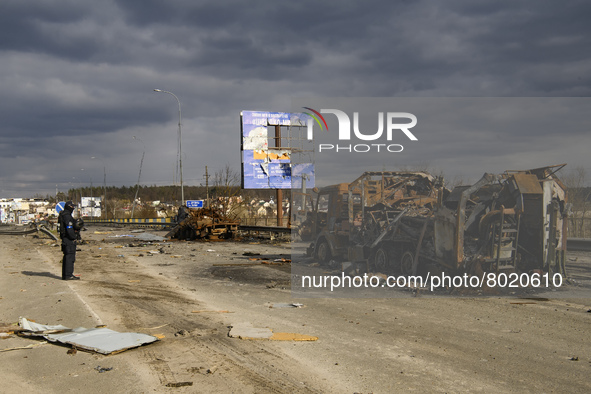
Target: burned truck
point(410, 223)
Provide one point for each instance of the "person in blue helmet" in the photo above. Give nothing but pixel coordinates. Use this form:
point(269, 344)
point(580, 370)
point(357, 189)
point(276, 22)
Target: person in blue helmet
point(69, 234)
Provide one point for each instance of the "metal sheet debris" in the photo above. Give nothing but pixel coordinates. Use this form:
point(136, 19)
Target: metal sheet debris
point(247, 331)
point(100, 340)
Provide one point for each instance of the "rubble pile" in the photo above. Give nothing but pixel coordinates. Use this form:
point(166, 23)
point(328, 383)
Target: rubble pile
point(402, 199)
point(204, 223)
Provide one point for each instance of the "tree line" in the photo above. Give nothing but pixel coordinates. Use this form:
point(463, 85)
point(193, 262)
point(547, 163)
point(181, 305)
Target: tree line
point(166, 194)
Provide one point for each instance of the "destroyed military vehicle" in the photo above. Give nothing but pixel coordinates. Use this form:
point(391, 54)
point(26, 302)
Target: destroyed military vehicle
point(203, 223)
point(409, 223)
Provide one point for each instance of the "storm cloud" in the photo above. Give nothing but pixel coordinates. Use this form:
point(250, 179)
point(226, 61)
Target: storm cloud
point(77, 79)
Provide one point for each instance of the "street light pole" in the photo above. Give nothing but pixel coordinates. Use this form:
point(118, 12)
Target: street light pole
point(180, 143)
point(139, 175)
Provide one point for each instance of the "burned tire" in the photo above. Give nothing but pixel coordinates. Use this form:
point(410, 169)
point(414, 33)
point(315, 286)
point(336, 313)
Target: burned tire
point(406, 262)
point(323, 254)
point(381, 261)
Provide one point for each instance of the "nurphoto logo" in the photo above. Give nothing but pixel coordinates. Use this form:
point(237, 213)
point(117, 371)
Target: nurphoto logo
point(395, 127)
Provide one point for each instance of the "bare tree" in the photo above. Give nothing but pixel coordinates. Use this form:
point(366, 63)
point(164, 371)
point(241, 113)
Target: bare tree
point(226, 191)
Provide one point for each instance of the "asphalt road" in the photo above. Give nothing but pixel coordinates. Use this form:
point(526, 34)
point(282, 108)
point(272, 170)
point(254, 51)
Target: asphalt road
point(192, 293)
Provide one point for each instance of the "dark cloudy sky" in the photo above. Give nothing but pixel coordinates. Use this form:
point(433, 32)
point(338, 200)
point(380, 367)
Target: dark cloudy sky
point(77, 77)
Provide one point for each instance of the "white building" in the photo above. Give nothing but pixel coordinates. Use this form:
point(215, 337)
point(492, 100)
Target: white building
point(22, 211)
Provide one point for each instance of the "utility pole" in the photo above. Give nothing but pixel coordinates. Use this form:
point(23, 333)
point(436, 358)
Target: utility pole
point(206, 188)
point(137, 189)
point(105, 190)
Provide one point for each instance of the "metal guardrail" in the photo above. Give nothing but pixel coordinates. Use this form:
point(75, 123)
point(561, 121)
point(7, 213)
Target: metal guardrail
point(580, 244)
point(152, 222)
point(273, 229)
point(12, 230)
point(170, 222)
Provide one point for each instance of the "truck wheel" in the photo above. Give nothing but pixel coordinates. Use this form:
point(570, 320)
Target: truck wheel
point(323, 252)
point(380, 261)
point(406, 263)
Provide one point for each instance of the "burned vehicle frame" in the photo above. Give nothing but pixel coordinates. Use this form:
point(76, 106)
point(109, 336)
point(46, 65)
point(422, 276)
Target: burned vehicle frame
point(409, 223)
point(204, 223)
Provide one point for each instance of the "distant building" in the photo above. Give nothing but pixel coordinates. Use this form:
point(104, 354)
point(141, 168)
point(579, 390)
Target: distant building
point(22, 211)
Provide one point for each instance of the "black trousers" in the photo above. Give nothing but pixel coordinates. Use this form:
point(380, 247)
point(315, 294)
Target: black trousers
point(69, 250)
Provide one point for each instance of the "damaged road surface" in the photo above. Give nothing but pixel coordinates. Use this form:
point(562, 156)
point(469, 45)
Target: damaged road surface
point(191, 295)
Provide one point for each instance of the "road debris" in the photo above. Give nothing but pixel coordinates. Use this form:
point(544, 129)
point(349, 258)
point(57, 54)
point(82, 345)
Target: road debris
point(100, 340)
point(211, 312)
point(211, 370)
point(182, 333)
point(289, 336)
point(204, 223)
point(179, 384)
point(247, 331)
point(9, 328)
point(37, 227)
point(287, 305)
point(154, 328)
point(24, 347)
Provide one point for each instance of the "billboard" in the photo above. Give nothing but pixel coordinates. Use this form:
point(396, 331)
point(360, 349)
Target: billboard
point(265, 167)
point(90, 206)
point(90, 202)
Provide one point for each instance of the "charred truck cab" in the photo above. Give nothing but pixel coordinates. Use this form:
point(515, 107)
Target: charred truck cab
point(409, 223)
point(329, 223)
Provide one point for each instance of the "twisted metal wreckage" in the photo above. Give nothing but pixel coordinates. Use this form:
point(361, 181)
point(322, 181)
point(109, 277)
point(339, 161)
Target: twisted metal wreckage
point(33, 228)
point(409, 222)
point(203, 223)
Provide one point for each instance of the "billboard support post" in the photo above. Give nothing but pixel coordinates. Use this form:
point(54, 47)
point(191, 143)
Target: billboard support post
point(279, 191)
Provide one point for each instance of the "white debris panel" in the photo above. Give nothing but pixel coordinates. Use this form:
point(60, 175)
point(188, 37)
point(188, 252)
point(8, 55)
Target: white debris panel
point(100, 340)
